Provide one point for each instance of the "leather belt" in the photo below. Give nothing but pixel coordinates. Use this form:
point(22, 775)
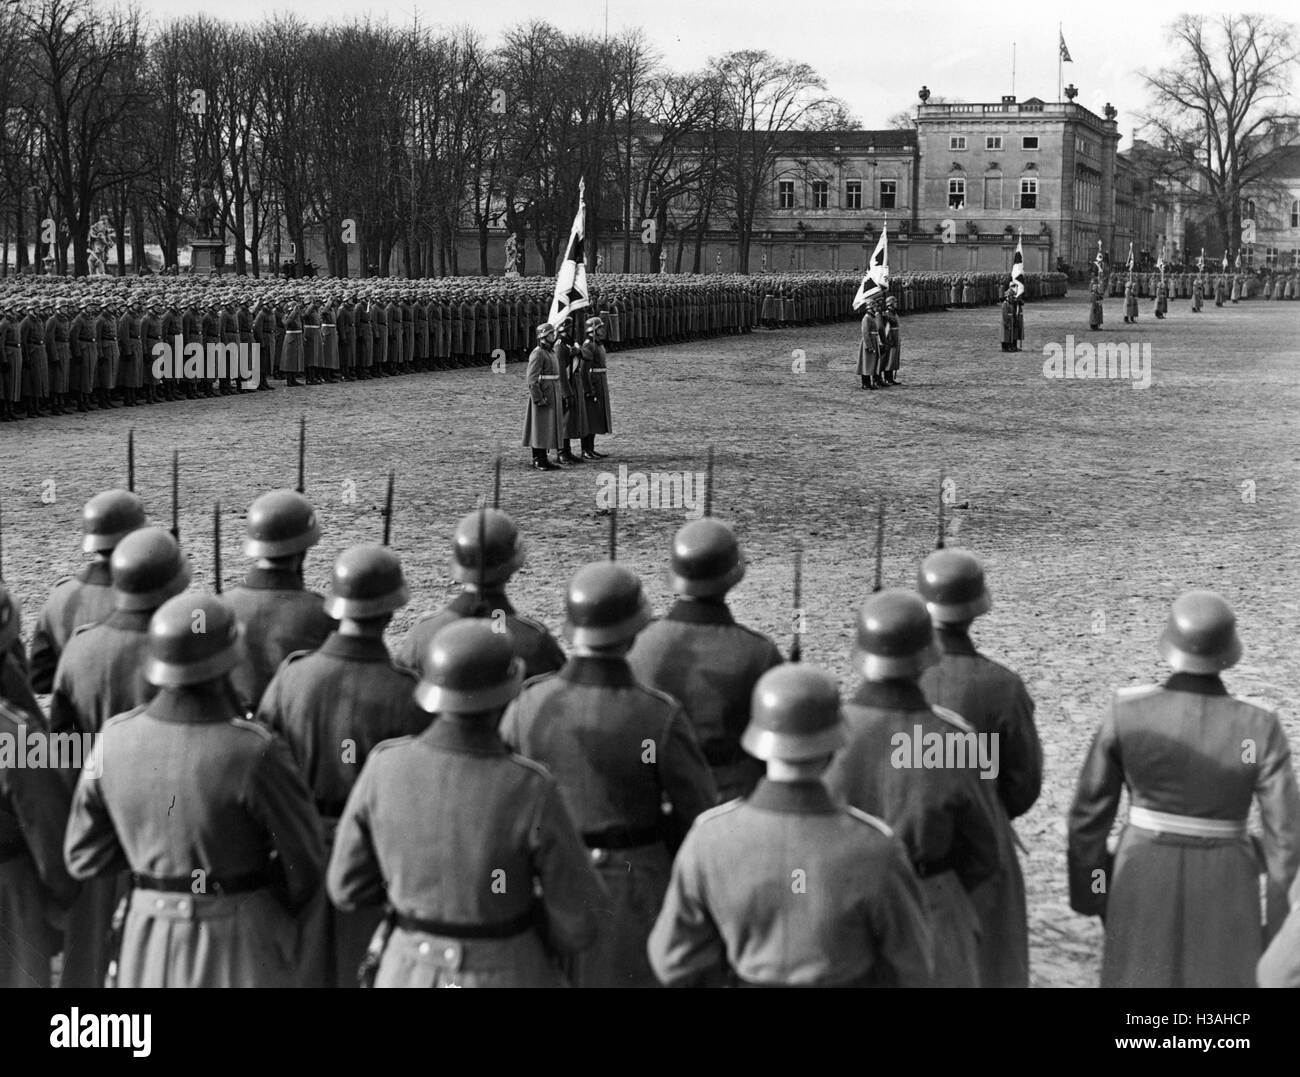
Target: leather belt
point(597, 369)
point(621, 837)
point(184, 884)
point(549, 377)
point(1187, 826)
point(502, 929)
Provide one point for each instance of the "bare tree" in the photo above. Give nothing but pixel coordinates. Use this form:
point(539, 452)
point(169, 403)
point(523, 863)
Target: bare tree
point(1222, 108)
point(764, 98)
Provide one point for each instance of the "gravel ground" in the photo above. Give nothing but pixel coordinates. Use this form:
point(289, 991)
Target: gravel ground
point(1091, 502)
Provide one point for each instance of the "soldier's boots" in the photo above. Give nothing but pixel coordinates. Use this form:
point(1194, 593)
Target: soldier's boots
point(566, 455)
point(541, 462)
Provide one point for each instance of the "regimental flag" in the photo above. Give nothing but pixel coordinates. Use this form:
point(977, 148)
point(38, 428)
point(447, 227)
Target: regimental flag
point(1018, 268)
point(571, 282)
point(877, 279)
point(1099, 261)
point(1160, 262)
point(1065, 53)
point(1130, 257)
point(1200, 262)
point(1225, 261)
point(1238, 265)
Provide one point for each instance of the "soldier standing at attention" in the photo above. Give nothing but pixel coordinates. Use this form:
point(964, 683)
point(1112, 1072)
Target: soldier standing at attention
point(595, 383)
point(891, 342)
point(993, 700)
point(486, 551)
point(278, 614)
point(470, 846)
point(102, 674)
point(699, 654)
point(572, 399)
point(1180, 897)
point(35, 888)
point(1009, 321)
point(869, 347)
point(87, 597)
point(1198, 293)
point(1096, 309)
point(1162, 297)
point(940, 813)
point(619, 751)
point(543, 421)
point(1130, 302)
point(332, 706)
point(787, 887)
point(209, 813)
point(14, 687)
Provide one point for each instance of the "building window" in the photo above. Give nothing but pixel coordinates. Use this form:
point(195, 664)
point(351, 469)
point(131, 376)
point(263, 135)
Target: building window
point(1029, 193)
point(888, 194)
point(1270, 257)
point(1295, 214)
point(785, 194)
point(992, 192)
point(1029, 142)
point(956, 142)
point(957, 193)
point(820, 194)
point(1249, 210)
point(992, 142)
point(853, 194)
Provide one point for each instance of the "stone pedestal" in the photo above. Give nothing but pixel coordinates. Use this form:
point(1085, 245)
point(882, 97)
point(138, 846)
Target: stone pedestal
point(207, 255)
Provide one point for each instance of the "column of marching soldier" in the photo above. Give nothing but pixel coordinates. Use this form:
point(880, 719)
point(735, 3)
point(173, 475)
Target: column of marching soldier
point(75, 345)
point(1199, 286)
point(275, 798)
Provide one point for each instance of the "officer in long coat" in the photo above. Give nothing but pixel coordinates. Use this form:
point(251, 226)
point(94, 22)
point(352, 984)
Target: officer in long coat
point(1130, 302)
point(35, 888)
point(544, 418)
point(891, 342)
point(471, 847)
point(102, 674)
point(700, 655)
point(1096, 309)
point(83, 346)
point(572, 398)
point(207, 811)
point(939, 812)
point(619, 751)
point(278, 613)
point(332, 706)
point(1008, 321)
point(1162, 297)
point(1198, 293)
point(869, 346)
point(788, 887)
point(995, 702)
point(1180, 896)
point(87, 597)
point(594, 377)
point(486, 551)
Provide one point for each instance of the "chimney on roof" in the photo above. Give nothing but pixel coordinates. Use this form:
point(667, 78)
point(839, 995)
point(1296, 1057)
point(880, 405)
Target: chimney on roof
point(1008, 99)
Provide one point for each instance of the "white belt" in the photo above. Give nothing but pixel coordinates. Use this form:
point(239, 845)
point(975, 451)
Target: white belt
point(292, 332)
point(327, 325)
point(549, 377)
point(1188, 826)
point(598, 370)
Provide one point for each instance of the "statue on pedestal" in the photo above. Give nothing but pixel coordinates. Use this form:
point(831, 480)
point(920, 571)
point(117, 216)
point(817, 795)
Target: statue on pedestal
point(101, 235)
point(207, 211)
point(512, 256)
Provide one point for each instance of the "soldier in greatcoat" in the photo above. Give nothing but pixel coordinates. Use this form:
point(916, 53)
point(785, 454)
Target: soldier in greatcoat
point(1180, 895)
point(35, 888)
point(279, 615)
point(594, 375)
point(486, 551)
point(544, 419)
point(891, 343)
point(939, 812)
point(995, 702)
point(701, 656)
point(469, 846)
point(332, 706)
point(788, 887)
point(1009, 321)
point(572, 398)
point(1096, 310)
point(627, 762)
point(208, 813)
point(869, 346)
point(87, 597)
point(1198, 293)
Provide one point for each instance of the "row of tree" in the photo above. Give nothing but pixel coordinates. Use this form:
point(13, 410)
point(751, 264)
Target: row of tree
point(386, 140)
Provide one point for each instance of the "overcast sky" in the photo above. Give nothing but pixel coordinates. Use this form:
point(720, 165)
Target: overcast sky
point(874, 56)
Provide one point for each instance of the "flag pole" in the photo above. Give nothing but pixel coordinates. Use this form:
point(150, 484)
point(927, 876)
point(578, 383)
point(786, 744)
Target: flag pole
point(1060, 59)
